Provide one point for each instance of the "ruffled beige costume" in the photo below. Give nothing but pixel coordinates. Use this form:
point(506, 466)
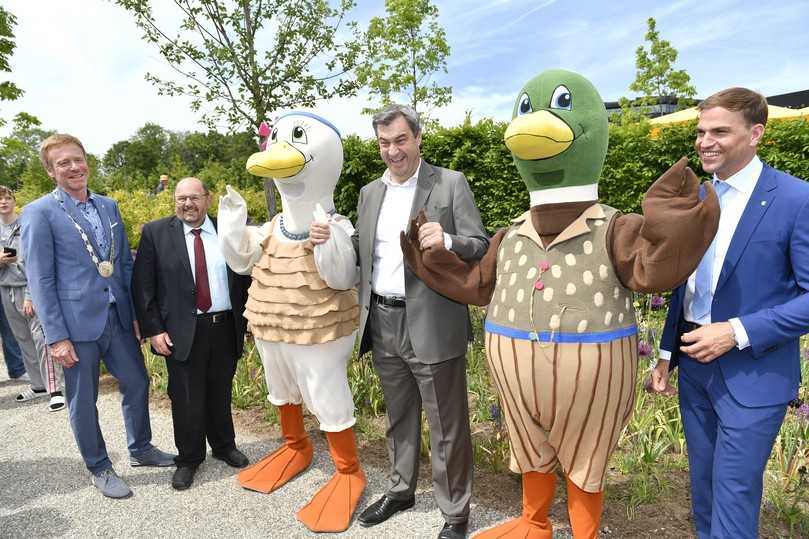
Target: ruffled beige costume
point(289, 301)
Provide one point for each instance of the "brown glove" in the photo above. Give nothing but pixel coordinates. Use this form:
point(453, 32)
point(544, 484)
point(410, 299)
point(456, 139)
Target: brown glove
point(658, 250)
point(445, 272)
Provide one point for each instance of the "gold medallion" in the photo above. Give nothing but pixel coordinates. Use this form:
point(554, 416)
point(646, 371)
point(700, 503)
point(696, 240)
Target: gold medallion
point(105, 268)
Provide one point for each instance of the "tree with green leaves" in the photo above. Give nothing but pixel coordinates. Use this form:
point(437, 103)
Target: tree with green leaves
point(656, 76)
point(19, 148)
point(8, 90)
point(404, 50)
point(248, 58)
point(241, 60)
point(137, 162)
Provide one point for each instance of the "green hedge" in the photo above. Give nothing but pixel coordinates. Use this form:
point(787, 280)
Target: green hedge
point(637, 155)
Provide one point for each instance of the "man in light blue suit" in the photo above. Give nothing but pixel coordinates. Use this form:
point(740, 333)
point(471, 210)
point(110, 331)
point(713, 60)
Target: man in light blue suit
point(79, 268)
point(734, 327)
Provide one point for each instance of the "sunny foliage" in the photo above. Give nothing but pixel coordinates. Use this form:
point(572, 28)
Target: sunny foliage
point(241, 61)
point(8, 90)
point(656, 75)
point(404, 49)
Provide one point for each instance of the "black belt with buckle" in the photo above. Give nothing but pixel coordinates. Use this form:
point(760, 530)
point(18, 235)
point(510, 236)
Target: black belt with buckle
point(216, 318)
point(686, 327)
point(390, 301)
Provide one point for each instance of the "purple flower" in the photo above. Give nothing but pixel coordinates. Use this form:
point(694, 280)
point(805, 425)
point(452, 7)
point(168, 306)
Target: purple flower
point(802, 412)
point(644, 348)
point(806, 353)
point(657, 301)
point(494, 410)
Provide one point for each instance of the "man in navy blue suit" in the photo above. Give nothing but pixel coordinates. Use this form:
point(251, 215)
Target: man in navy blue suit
point(734, 327)
point(79, 269)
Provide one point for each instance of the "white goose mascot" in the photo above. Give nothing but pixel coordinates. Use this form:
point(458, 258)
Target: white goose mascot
point(302, 309)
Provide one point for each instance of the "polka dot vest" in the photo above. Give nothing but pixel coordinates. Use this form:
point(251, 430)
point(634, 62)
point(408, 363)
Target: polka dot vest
point(567, 293)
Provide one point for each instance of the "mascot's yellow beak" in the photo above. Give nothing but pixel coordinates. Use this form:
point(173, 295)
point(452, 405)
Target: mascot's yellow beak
point(538, 135)
point(280, 160)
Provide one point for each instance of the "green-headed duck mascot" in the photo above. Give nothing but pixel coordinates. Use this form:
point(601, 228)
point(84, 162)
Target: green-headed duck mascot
point(560, 331)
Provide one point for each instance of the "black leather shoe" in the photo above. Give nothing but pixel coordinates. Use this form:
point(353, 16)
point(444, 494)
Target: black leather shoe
point(382, 509)
point(453, 531)
point(233, 457)
point(183, 477)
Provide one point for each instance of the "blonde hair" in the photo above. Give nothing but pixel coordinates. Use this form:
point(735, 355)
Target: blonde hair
point(58, 139)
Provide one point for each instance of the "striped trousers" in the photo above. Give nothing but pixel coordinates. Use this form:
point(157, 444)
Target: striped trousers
point(564, 403)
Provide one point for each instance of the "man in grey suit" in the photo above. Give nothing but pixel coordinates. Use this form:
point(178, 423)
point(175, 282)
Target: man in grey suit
point(417, 338)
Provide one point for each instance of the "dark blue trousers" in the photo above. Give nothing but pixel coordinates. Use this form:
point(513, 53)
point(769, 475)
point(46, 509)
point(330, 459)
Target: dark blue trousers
point(122, 356)
point(728, 448)
point(11, 350)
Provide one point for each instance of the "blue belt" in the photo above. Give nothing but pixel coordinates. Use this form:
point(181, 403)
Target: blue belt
point(558, 337)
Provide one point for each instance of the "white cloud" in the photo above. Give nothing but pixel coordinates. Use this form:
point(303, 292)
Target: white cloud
point(346, 115)
point(479, 102)
point(81, 65)
point(82, 62)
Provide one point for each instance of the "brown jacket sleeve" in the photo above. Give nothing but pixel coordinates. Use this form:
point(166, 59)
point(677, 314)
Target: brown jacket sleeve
point(658, 250)
point(471, 283)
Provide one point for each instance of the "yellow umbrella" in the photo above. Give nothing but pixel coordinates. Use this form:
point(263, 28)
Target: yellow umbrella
point(676, 117)
point(775, 113)
point(779, 113)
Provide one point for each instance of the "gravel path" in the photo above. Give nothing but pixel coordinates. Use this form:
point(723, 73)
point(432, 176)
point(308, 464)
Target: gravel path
point(45, 489)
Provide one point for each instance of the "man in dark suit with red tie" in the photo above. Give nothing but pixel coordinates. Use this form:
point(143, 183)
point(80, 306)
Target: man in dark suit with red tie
point(190, 304)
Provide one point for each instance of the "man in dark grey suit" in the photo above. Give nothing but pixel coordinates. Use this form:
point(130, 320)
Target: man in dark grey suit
point(190, 304)
point(417, 338)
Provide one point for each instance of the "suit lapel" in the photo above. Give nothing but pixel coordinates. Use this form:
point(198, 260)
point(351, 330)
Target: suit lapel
point(424, 186)
point(178, 242)
point(760, 201)
point(373, 203)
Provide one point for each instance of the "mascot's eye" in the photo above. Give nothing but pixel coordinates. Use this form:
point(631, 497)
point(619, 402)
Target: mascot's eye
point(524, 106)
point(274, 135)
point(298, 134)
point(561, 98)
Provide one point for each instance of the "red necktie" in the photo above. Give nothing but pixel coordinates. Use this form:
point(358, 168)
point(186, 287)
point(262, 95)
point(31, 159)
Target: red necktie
point(203, 289)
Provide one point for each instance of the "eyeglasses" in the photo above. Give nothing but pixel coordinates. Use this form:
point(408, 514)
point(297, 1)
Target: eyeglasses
point(191, 198)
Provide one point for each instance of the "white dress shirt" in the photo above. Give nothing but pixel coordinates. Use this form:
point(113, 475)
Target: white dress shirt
point(734, 201)
point(388, 270)
point(387, 278)
point(214, 261)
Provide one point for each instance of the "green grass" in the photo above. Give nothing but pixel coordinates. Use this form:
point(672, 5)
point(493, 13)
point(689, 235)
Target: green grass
point(651, 447)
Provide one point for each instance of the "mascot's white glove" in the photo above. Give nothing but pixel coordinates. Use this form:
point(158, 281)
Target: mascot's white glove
point(336, 259)
point(240, 244)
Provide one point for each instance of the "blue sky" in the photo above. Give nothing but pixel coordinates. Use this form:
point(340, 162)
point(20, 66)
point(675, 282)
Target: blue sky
point(81, 62)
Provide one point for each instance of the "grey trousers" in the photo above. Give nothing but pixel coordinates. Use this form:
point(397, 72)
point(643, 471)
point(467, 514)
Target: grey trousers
point(43, 372)
point(408, 384)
